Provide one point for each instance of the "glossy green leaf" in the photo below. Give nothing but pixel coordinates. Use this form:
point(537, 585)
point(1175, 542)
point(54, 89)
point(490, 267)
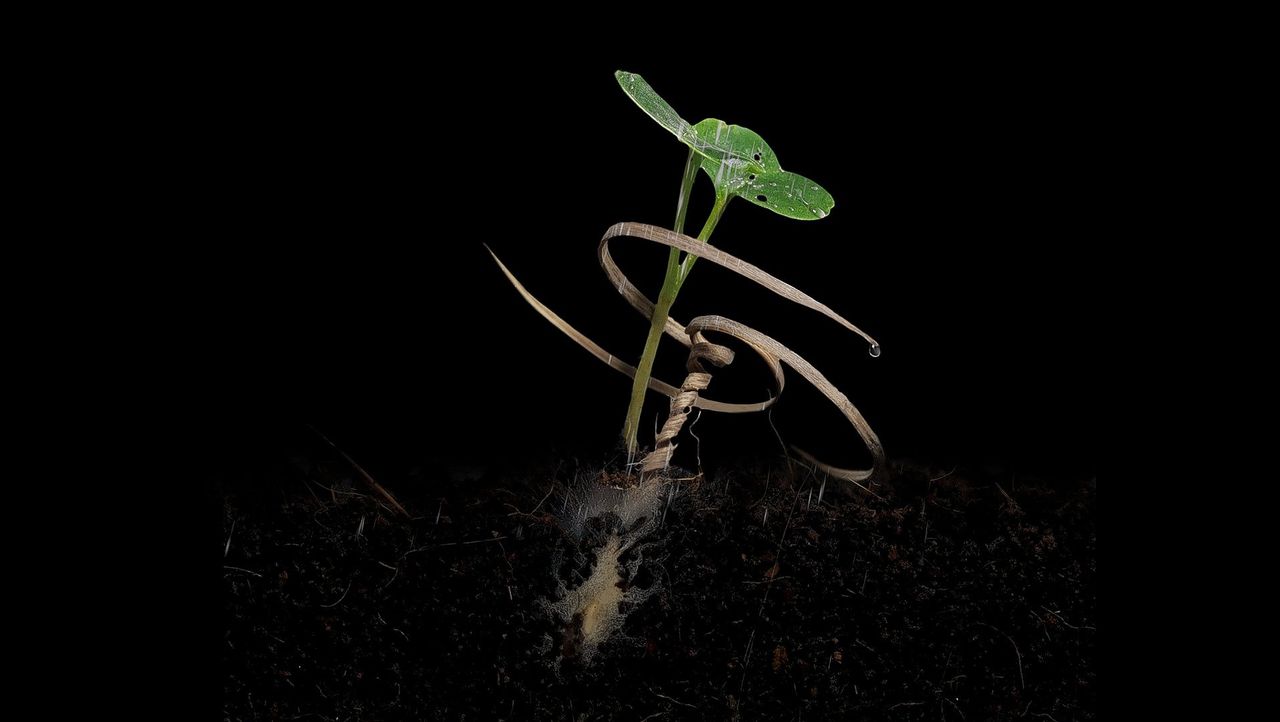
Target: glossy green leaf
point(736, 159)
point(749, 168)
point(655, 107)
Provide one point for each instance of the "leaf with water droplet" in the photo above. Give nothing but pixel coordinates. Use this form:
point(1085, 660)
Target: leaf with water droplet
point(736, 159)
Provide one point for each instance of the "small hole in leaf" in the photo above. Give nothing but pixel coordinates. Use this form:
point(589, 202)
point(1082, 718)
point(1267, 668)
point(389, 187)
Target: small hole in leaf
point(757, 156)
point(761, 198)
point(751, 177)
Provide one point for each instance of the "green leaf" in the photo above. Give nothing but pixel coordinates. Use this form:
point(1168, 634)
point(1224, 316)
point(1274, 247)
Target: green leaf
point(703, 138)
point(737, 159)
point(655, 107)
point(748, 167)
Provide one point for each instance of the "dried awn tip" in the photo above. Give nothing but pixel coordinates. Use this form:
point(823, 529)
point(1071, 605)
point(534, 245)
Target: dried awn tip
point(692, 335)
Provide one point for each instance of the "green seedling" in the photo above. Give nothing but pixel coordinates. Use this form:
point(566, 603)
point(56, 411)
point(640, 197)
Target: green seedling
point(739, 163)
point(615, 515)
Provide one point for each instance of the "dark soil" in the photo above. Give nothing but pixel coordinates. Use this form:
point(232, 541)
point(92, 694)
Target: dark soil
point(957, 598)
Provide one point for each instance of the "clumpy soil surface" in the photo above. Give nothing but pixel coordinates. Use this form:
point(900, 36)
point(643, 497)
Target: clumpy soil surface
point(952, 598)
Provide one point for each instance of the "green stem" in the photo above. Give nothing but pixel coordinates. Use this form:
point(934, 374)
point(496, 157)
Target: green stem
point(704, 236)
point(686, 191)
point(631, 428)
point(674, 279)
point(644, 370)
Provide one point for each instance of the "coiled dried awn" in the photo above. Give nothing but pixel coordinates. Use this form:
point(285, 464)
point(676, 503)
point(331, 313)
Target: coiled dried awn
point(687, 396)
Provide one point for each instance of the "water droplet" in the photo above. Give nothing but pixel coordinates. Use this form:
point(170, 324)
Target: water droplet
point(874, 350)
point(821, 213)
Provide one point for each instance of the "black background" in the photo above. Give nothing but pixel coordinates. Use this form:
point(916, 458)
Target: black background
point(339, 279)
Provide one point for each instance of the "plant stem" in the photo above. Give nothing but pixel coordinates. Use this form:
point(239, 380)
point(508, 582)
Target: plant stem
point(686, 191)
point(704, 236)
point(640, 383)
point(674, 279)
